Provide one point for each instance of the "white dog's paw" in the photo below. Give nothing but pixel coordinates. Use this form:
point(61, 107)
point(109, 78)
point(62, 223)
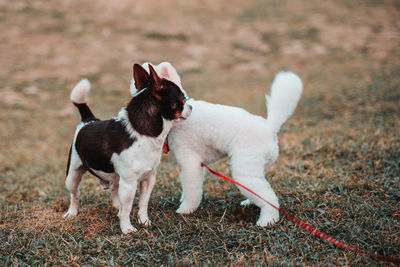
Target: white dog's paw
point(145, 222)
point(70, 214)
point(128, 228)
point(245, 203)
point(268, 219)
point(144, 218)
point(184, 208)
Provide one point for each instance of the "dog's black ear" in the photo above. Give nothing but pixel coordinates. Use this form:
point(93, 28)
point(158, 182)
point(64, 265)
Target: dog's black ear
point(142, 78)
point(155, 80)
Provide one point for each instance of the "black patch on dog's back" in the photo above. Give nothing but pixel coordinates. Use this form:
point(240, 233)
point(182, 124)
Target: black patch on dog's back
point(98, 140)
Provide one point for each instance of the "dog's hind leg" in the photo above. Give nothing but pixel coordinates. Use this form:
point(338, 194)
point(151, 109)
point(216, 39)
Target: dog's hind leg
point(250, 173)
point(191, 177)
point(146, 186)
point(114, 193)
point(74, 176)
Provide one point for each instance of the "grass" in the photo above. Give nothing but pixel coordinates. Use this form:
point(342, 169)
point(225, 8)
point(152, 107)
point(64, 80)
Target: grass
point(339, 162)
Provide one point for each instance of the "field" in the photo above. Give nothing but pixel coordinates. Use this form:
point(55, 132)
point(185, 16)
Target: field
point(339, 162)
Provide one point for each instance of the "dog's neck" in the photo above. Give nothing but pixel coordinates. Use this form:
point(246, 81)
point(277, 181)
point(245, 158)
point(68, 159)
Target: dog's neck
point(142, 115)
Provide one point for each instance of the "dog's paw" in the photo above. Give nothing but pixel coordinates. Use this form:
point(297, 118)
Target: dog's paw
point(185, 209)
point(268, 220)
point(105, 184)
point(145, 222)
point(245, 203)
point(70, 214)
point(128, 228)
point(115, 204)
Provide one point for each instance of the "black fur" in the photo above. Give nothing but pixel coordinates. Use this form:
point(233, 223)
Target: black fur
point(142, 78)
point(172, 100)
point(86, 113)
point(144, 114)
point(147, 110)
point(98, 140)
point(69, 158)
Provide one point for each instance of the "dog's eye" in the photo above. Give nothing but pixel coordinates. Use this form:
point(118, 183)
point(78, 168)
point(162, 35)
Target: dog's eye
point(177, 106)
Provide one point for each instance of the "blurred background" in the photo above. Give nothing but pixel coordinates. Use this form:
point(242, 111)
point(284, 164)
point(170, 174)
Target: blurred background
point(225, 52)
point(344, 131)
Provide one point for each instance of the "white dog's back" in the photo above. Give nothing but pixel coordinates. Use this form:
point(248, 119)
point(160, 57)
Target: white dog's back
point(213, 130)
point(225, 128)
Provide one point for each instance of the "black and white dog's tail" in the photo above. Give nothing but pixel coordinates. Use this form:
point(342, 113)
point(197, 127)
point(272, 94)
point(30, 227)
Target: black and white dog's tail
point(79, 97)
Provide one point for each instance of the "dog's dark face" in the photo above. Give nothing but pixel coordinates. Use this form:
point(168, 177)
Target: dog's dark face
point(170, 97)
point(173, 101)
point(156, 99)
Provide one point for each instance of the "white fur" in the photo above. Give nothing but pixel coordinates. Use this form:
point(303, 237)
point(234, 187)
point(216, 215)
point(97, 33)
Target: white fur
point(74, 176)
point(135, 166)
point(214, 131)
point(80, 92)
point(123, 117)
point(167, 71)
point(78, 95)
point(286, 89)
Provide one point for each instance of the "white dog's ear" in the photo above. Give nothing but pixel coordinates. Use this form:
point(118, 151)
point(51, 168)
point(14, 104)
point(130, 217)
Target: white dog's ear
point(166, 70)
point(146, 66)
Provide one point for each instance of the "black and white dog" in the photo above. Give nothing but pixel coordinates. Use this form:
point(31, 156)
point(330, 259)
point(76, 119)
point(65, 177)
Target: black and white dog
point(125, 151)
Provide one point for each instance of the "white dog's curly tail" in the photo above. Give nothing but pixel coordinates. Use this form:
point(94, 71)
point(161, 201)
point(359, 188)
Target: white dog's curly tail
point(285, 93)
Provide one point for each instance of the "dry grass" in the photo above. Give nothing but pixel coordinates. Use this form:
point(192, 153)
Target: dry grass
point(339, 165)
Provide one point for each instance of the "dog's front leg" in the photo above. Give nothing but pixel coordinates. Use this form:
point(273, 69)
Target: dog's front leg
point(146, 186)
point(126, 192)
point(192, 185)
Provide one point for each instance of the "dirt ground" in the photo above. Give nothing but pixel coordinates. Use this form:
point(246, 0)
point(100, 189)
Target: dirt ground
point(339, 165)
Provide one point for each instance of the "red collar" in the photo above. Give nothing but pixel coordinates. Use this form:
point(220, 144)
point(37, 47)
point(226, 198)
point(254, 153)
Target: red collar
point(165, 147)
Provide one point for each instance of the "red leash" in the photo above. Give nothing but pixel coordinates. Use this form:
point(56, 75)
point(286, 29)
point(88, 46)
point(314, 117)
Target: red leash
point(306, 226)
